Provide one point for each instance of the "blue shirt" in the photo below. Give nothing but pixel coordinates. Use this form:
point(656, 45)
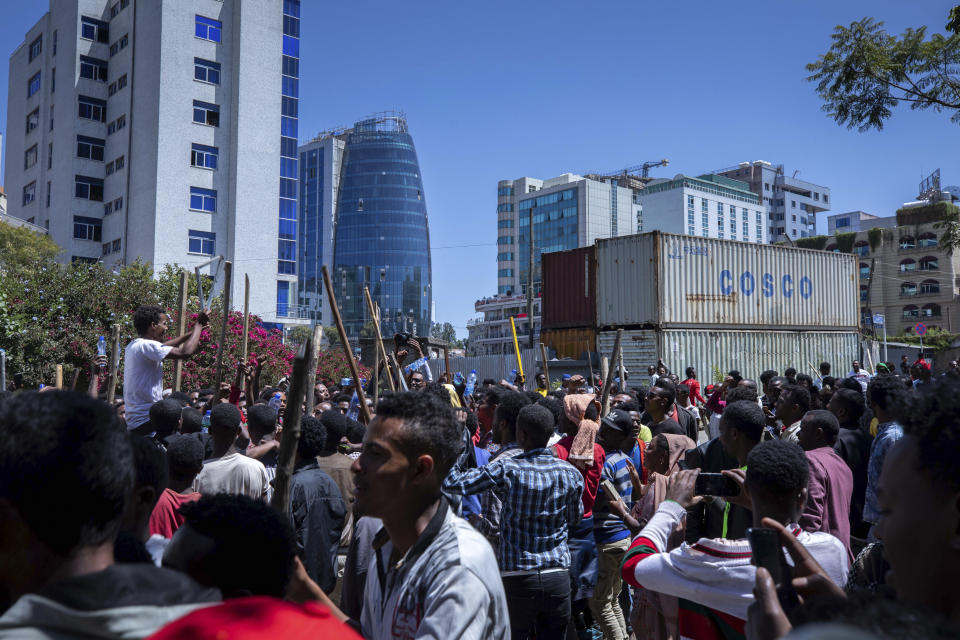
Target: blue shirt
point(471, 504)
point(608, 527)
point(887, 435)
point(541, 499)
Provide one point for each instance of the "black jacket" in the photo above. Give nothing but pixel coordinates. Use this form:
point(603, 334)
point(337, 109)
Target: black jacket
point(684, 418)
point(317, 513)
point(853, 445)
point(705, 520)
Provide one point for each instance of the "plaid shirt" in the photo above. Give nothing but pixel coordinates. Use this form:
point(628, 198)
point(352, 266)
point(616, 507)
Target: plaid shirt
point(487, 521)
point(541, 499)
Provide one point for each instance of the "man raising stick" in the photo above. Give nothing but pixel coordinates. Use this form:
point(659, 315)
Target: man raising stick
point(143, 365)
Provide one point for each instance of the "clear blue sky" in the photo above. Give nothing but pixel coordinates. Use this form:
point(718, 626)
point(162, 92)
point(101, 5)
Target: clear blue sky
point(495, 90)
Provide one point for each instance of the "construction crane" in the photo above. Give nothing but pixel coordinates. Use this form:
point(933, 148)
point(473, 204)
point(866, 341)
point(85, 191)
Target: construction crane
point(642, 169)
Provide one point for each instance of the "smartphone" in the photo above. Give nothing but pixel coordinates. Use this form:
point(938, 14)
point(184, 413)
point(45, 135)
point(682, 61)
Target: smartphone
point(767, 552)
point(610, 490)
point(715, 484)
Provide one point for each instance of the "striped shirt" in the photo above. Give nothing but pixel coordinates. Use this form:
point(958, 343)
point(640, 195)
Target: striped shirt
point(608, 527)
point(541, 500)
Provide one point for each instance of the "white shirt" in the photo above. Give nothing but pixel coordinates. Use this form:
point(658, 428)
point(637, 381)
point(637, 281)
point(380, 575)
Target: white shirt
point(233, 473)
point(142, 379)
point(863, 377)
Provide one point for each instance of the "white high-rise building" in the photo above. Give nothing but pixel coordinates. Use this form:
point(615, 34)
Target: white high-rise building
point(164, 131)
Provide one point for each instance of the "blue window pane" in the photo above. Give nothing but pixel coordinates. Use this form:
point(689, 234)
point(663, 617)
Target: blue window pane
point(288, 229)
point(291, 8)
point(286, 250)
point(291, 46)
point(290, 86)
point(288, 209)
point(289, 107)
point(208, 29)
point(288, 127)
point(283, 298)
point(286, 268)
point(288, 168)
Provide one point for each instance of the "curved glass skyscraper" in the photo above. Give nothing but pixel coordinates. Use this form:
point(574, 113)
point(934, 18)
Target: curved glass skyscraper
point(380, 235)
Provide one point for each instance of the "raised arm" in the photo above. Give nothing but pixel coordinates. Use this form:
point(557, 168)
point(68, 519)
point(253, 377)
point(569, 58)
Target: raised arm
point(192, 342)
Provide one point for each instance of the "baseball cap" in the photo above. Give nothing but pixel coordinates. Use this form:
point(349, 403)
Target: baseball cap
point(618, 419)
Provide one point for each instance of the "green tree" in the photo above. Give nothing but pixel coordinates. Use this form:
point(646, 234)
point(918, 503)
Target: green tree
point(867, 73)
point(299, 334)
point(20, 247)
point(447, 333)
point(332, 336)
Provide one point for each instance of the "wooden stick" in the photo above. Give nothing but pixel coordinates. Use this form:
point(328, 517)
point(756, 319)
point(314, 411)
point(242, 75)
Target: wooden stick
point(225, 312)
point(516, 347)
point(246, 318)
point(546, 367)
point(396, 365)
point(446, 364)
point(59, 377)
point(181, 326)
point(376, 325)
point(607, 378)
point(313, 355)
point(76, 378)
point(815, 371)
point(364, 409)
point(287, 455)
point(114, 364)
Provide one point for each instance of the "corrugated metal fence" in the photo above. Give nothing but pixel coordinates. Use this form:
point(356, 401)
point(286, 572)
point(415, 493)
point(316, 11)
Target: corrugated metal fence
point(497, 367)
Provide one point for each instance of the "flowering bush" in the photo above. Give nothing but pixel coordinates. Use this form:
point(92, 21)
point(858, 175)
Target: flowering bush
point(333, 366)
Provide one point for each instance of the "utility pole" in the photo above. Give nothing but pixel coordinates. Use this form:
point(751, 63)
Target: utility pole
point(530, 285)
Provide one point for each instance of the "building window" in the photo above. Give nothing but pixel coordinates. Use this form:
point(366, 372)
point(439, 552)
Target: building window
point(93, 29)
point(117, 84)
point(33, 84)
point(49, 155)
point(114, 165)
point(29, 193)
point(203, 199)
point(505, 224)
point(30, 157)
point(505, 240)
point(92, 108)
point(793, 204)
point(117, 124)
point(203, 156)
point(110, 207)
point(208, 29)
point(36, 47)
point(119, 45)
point(53, 80)
point(53, 49)
point(283, 298)
point(33, 119)
point(504, 207)
point(505, 191)
point(206, 113)
point(93, 69)
point(826, 198)
point(87, 188)
point(766, 186)
point(286, 267)
point(202, 242)
point(87, 228)
point(502, 257)
point(929, 286)
point(90, 148)
point(927, 240)
point(206, 71)
point(105, 249)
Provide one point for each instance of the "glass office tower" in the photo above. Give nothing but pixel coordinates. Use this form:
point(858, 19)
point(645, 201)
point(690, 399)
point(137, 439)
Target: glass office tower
point(381, 238)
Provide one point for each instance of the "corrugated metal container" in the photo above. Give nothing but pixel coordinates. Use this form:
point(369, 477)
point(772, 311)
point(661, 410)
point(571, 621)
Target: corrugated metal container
point(667, 280)
point(570, 343)
point(718, 351)
point(569, 298)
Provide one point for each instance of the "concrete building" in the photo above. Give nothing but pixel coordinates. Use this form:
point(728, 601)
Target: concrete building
point(490, 333)
point(854, 221)
point(791, 204)
point(138, 130)
point(710, 206)
point(363, 214)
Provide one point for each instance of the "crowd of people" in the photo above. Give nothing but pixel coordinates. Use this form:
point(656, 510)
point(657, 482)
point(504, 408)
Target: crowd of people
point(787, 506)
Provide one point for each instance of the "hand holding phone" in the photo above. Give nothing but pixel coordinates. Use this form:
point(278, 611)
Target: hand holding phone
point(715, 484)
point(767, 552)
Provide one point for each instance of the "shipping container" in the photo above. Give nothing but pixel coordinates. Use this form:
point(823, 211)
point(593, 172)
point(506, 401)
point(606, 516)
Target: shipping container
point(569, 298)
point(661, 280)
point(570, 343)
point(713, 352)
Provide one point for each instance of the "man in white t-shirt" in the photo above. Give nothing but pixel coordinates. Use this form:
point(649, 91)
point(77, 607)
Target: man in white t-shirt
point(860, 374)
point(143, 362)
point(229, 471)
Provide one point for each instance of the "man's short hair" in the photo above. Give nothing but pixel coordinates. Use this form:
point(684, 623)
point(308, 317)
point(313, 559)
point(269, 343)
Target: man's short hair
point(313, 435)
point(65, 466)
point(781, 380)
point(249, 529)
point(802, 377)
point(537, 423)
point(150, 465)
point(429, 427)
point(356, 430)
point(180, 397)
point(798, 395)
point(824, 366)
point(184, 457)
point(631, 405)
point(494, 394)
point(165, 416)
point(554, 406)
point(790, 372)
point(509, 407)
point(668, 389)
point(224, 418)
point(850, 400)
point(826, 422)
point(931, 415)
point(261, 421)
point(336, 425)
point(192, 421)
point(146, 315)
point(766, 376)
point(744, 416)
point(850, 383)
point(778, 468)
point(684, 388)
point(886, 392)
point(733, 373)
point(741, 392)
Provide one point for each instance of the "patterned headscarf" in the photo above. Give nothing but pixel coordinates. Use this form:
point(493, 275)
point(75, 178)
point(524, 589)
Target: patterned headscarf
point(581, 450)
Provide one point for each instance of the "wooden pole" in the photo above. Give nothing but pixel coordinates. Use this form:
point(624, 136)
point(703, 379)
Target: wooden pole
point(396, 365)
point(291, 430)
point(546, 367)
point(364, 409)
point(76, 378)
point(383, 348)
point(314, 354)
point(607, 379)
point(225, 313)
point(114, 364)
point(380, 346)
point(181, 326)
point(516, 347)
point(446, 364)
point(246, 319)
point(58, 382)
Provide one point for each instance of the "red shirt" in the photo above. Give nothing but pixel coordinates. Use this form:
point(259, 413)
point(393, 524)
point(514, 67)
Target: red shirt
point(591, 475)
point(166, 519)
point(694, 390)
